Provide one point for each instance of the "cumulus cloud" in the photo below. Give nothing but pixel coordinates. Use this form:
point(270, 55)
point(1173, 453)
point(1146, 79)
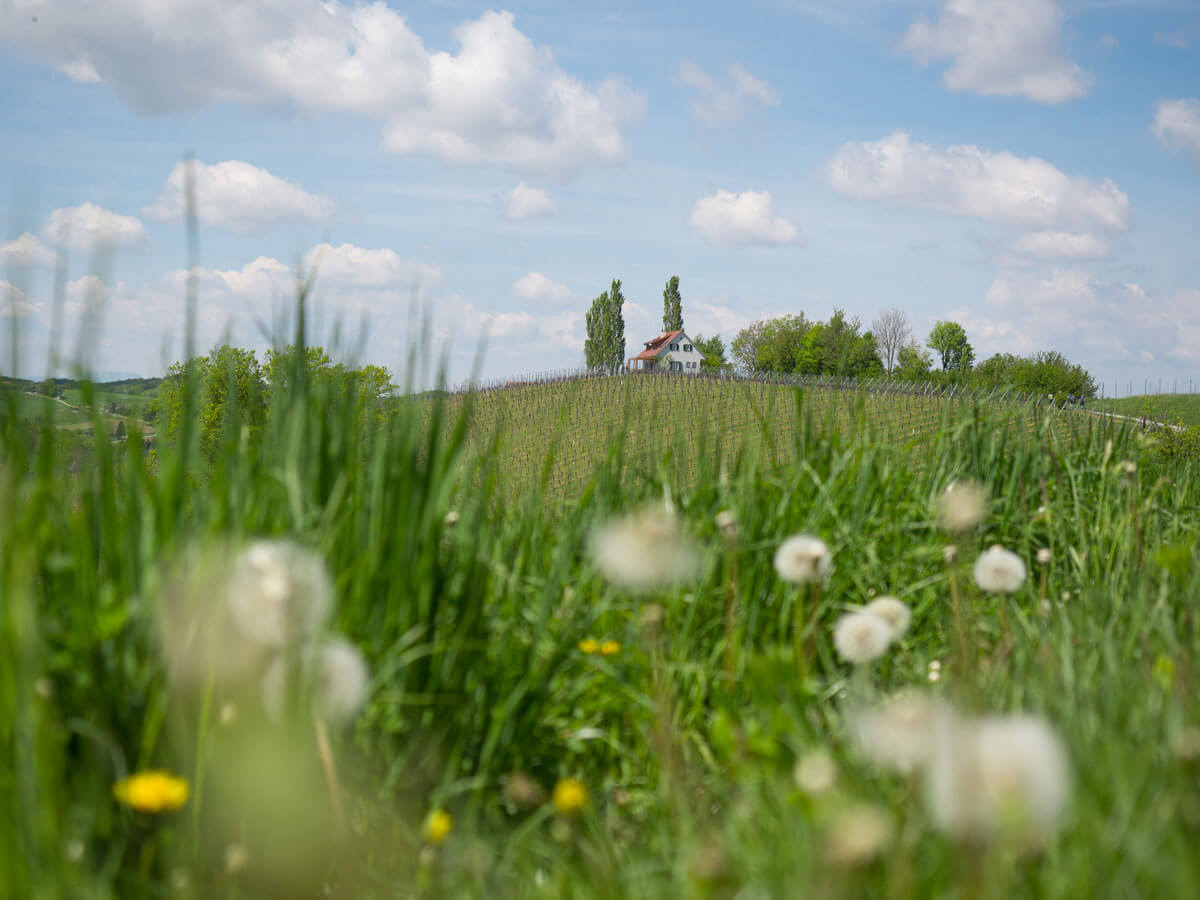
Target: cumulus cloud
point(237, 196)
point(1000, 47)
point(965, 180)
point(499, 99)
point(25, 252)
point(528, 202)
point(14, 304)
point(719, 102)
point(1177, 125)
point(1062, 245)
point(88, 227)
point(537, 288)
point(741, 219)
point(355, 267)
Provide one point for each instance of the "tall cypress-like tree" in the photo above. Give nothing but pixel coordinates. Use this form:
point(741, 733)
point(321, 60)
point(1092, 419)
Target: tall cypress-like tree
point(604, 348)
point(672, 306)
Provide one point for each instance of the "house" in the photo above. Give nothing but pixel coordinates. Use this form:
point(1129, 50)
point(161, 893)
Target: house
point(672, 351)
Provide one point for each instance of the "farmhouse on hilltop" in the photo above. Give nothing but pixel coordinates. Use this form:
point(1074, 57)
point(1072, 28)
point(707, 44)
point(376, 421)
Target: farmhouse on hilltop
point(672, 351)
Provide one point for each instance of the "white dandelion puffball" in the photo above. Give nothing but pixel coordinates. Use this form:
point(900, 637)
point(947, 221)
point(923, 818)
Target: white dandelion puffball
point(861, 637)
point(644, 550)
point(962, 506)
point(815, 772)
point(858, 834)
point(901, 734)
point(803, 559)
point(279, 592)
point(999, 571)
point(893, 611)
point(1002, 775)
point(335, 674)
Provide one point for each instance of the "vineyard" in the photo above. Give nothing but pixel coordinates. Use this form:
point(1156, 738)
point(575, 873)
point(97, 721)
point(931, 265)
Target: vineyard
point(553, 429)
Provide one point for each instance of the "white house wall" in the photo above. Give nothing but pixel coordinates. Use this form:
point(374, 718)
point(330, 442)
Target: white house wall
point(663, 360)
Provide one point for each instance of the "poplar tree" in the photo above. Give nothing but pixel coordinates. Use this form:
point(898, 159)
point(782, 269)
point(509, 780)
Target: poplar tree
point(604, 349)
point(672, 306)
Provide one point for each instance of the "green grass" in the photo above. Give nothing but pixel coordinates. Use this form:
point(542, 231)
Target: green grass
point(1175, 409)
point(471, 623)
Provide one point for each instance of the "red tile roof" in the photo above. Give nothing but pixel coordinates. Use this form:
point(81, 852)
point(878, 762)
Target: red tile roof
point(655, 346)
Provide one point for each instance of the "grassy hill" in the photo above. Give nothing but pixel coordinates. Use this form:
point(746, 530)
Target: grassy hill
point(1174, 409)
point(575, 732)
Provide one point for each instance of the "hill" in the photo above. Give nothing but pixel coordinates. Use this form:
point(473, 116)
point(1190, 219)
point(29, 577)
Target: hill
point(1174, 409)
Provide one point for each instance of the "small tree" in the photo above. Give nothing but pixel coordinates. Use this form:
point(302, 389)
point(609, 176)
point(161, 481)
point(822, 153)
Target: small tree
point(891, 331)
point(672, 306)
point(949, 341)
point(604, 348)
point(713, 349)
point(913, 362)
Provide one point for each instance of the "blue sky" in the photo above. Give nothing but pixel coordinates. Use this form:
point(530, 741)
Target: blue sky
point(1029, 168)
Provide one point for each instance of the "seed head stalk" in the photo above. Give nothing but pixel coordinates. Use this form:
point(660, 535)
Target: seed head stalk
point(328, 765)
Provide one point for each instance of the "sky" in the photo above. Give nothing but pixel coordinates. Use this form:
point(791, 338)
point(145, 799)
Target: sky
point(466, 178)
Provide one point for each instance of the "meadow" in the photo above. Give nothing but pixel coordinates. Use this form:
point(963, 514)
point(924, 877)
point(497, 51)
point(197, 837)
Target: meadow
point(540, 641)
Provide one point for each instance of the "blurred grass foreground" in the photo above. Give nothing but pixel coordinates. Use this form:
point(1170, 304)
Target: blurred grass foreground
point(630, 636)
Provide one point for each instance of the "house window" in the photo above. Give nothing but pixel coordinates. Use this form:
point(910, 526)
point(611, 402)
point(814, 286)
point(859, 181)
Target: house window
point(674, 346)
point(676, 366)
point(687, 347)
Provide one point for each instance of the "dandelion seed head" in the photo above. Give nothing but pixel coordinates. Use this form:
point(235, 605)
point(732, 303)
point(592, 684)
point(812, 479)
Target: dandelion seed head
point(803, 559)
point(727, 524)
point(451, 518)
point(962, 506)
point(646, 550)
point(999, 571)
point(74, 850)
point(900, 734)
point(1044, 556)
point(279, 592)
point(949, 554)
point(1001, 775)
point(1127, 466)
point(237, 858)
point(815, 772)
point(336, 674)
point(893, 611)
point(861, 637)
point(857, 835)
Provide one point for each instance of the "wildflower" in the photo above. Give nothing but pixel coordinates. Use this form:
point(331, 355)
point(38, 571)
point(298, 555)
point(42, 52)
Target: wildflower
point(727, 524)
point(1044, 556)
point(589, 646)
point(570, 796)
point(900, 735)
point(815, 772)
point(522, 791)
point(962, 506)
point(610, 648)
point(999, 571)
point(338, 677)
point(438, 827)
point(858, 835)
point(895, 612)
point(644, 551)
point(803, 559)
point(279, 592)
point(152, 792)
point(1003, 775)
point(861, 637)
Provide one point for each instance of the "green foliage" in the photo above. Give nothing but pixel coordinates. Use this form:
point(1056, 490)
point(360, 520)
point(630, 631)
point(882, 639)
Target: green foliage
point(770, 345)
point(230, 394)
point(604, 348)
point(949, 341)
point(672, 306)
point(913, 362)
point(713, 349)
point(1040, 374)
point(793, 345)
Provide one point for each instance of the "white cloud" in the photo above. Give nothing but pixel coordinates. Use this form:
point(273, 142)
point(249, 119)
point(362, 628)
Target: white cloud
point(499, 99)
point(528, 202)
point(87, 227)
point(24, 252)
point(1109, 41)
point(14, 304)
point(536, 287)
point(1062, 245)
point(741, 219)
point(965, 180)
point(1177, 125)
point(237, 196)
point(717, 103)
point(1000, 47)
point(355, 267)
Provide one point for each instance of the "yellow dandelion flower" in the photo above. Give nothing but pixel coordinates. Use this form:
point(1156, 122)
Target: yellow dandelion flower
point(610, 648)
point(570, 796)
point(152, 792)
point(438, 827)
point(589, 646)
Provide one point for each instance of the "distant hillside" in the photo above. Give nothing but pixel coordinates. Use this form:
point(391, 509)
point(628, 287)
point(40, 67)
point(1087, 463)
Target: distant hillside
point(1174, 409)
